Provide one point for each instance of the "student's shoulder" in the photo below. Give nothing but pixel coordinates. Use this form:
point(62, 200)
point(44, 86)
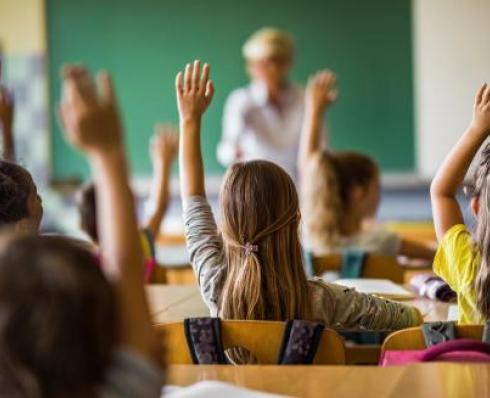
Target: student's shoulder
point(131, 375)
point(457, 232)
point(383, 241)
point(458, 240)
point(379, 233)
point(457, 258)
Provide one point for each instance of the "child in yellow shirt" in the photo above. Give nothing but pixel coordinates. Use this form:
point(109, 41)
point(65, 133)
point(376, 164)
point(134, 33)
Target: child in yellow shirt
point(462, 261)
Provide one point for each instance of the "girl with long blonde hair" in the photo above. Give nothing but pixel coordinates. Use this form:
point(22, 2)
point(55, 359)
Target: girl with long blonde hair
point(340, 191)
point(253, 268)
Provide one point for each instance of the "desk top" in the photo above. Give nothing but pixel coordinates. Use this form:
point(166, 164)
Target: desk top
point(174, 303)
point(420, 380)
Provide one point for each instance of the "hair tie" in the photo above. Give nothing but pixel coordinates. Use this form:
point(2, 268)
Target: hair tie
point(250, 248)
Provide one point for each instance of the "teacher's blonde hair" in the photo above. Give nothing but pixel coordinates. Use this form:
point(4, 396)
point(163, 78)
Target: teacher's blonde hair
point(269, 42)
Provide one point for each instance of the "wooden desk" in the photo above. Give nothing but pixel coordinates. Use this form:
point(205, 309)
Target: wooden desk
point(172, 303)
point(175, 303)
point(421, 380)
point(422, 232)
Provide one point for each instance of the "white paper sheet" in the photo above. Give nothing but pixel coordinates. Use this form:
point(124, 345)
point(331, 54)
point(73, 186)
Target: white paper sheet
point(214, 389)
point(378, 287)
point(453, 312)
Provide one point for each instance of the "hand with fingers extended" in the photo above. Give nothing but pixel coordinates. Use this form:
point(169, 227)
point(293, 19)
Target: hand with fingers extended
point(481, 110)
point(321, 91)
point(88, 111)
point(164, 144)
point(194, 91)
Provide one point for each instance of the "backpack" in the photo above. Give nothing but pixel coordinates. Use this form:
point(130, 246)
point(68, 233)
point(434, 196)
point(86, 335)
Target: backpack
point(442, 346)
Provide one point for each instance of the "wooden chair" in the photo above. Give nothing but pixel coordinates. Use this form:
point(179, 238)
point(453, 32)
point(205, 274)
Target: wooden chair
point(422, 232)
point(172, 274)
point(375, 266)
point(413, 338)
point(179, 275)
point(170, 239)
point(261, 338)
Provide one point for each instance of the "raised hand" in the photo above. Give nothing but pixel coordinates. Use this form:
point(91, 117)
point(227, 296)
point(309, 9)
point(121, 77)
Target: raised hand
point(6, 108)
point(194, 91)
point(445, 208)
point(90, 118)
point(6, 124)
point(481, 109)
point(320, 94)
point(163, 148)
point(164, 144)
point(88, 112)
point(321, 91)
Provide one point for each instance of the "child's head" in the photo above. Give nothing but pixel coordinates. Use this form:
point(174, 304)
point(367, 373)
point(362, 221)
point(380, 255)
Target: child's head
point(481, 209)
point(260, 218)
point(87, 207)
point(58, 323)
point(20, 204)
point(269, 54)
point(338, 186)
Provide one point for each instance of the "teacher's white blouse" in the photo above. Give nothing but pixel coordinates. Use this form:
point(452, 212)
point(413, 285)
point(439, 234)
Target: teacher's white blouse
point(253, 128)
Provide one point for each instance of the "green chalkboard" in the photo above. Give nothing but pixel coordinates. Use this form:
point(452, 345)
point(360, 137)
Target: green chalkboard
point(144, 43)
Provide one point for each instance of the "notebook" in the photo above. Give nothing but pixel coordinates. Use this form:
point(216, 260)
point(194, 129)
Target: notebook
point(214, 389)
point(453, 312)
point(378, 287)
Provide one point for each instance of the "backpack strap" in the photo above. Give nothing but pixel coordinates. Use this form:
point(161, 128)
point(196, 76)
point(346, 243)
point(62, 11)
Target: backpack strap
point(486, 332)
point(309, 261)
point(352, 263)
point(300, 342)
point(203, 337)
point(438, 332)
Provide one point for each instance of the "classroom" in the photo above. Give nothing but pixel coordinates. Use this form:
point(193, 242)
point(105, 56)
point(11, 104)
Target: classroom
point(244, 199)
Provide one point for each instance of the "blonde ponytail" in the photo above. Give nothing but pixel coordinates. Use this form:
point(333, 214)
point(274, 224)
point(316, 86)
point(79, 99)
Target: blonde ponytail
point(260, 218)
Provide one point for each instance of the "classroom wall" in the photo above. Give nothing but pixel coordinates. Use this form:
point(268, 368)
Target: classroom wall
point(22, 26)
point(144, 43)
point(23, 53)
point(451, 59)
point(451, 54)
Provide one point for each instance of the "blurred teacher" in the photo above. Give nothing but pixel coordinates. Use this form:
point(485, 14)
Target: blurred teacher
point(263, 120)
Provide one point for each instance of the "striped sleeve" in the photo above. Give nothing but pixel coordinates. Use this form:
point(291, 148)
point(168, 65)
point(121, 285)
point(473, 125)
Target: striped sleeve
point(205, 248)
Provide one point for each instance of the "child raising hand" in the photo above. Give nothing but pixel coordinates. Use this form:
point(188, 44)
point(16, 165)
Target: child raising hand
point(463, 262)
point(252, 268)
point(341, 190)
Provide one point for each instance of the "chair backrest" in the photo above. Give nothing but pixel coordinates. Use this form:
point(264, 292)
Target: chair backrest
point(375, 266)
point(179, 275)
point(261, 338)
point(413, 338)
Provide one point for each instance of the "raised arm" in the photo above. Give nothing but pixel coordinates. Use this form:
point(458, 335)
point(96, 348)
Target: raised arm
point(320, 94)
point(194, 94)
point(91, 122)
point(6, 123)
point(445, 208)
point(163, 149)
